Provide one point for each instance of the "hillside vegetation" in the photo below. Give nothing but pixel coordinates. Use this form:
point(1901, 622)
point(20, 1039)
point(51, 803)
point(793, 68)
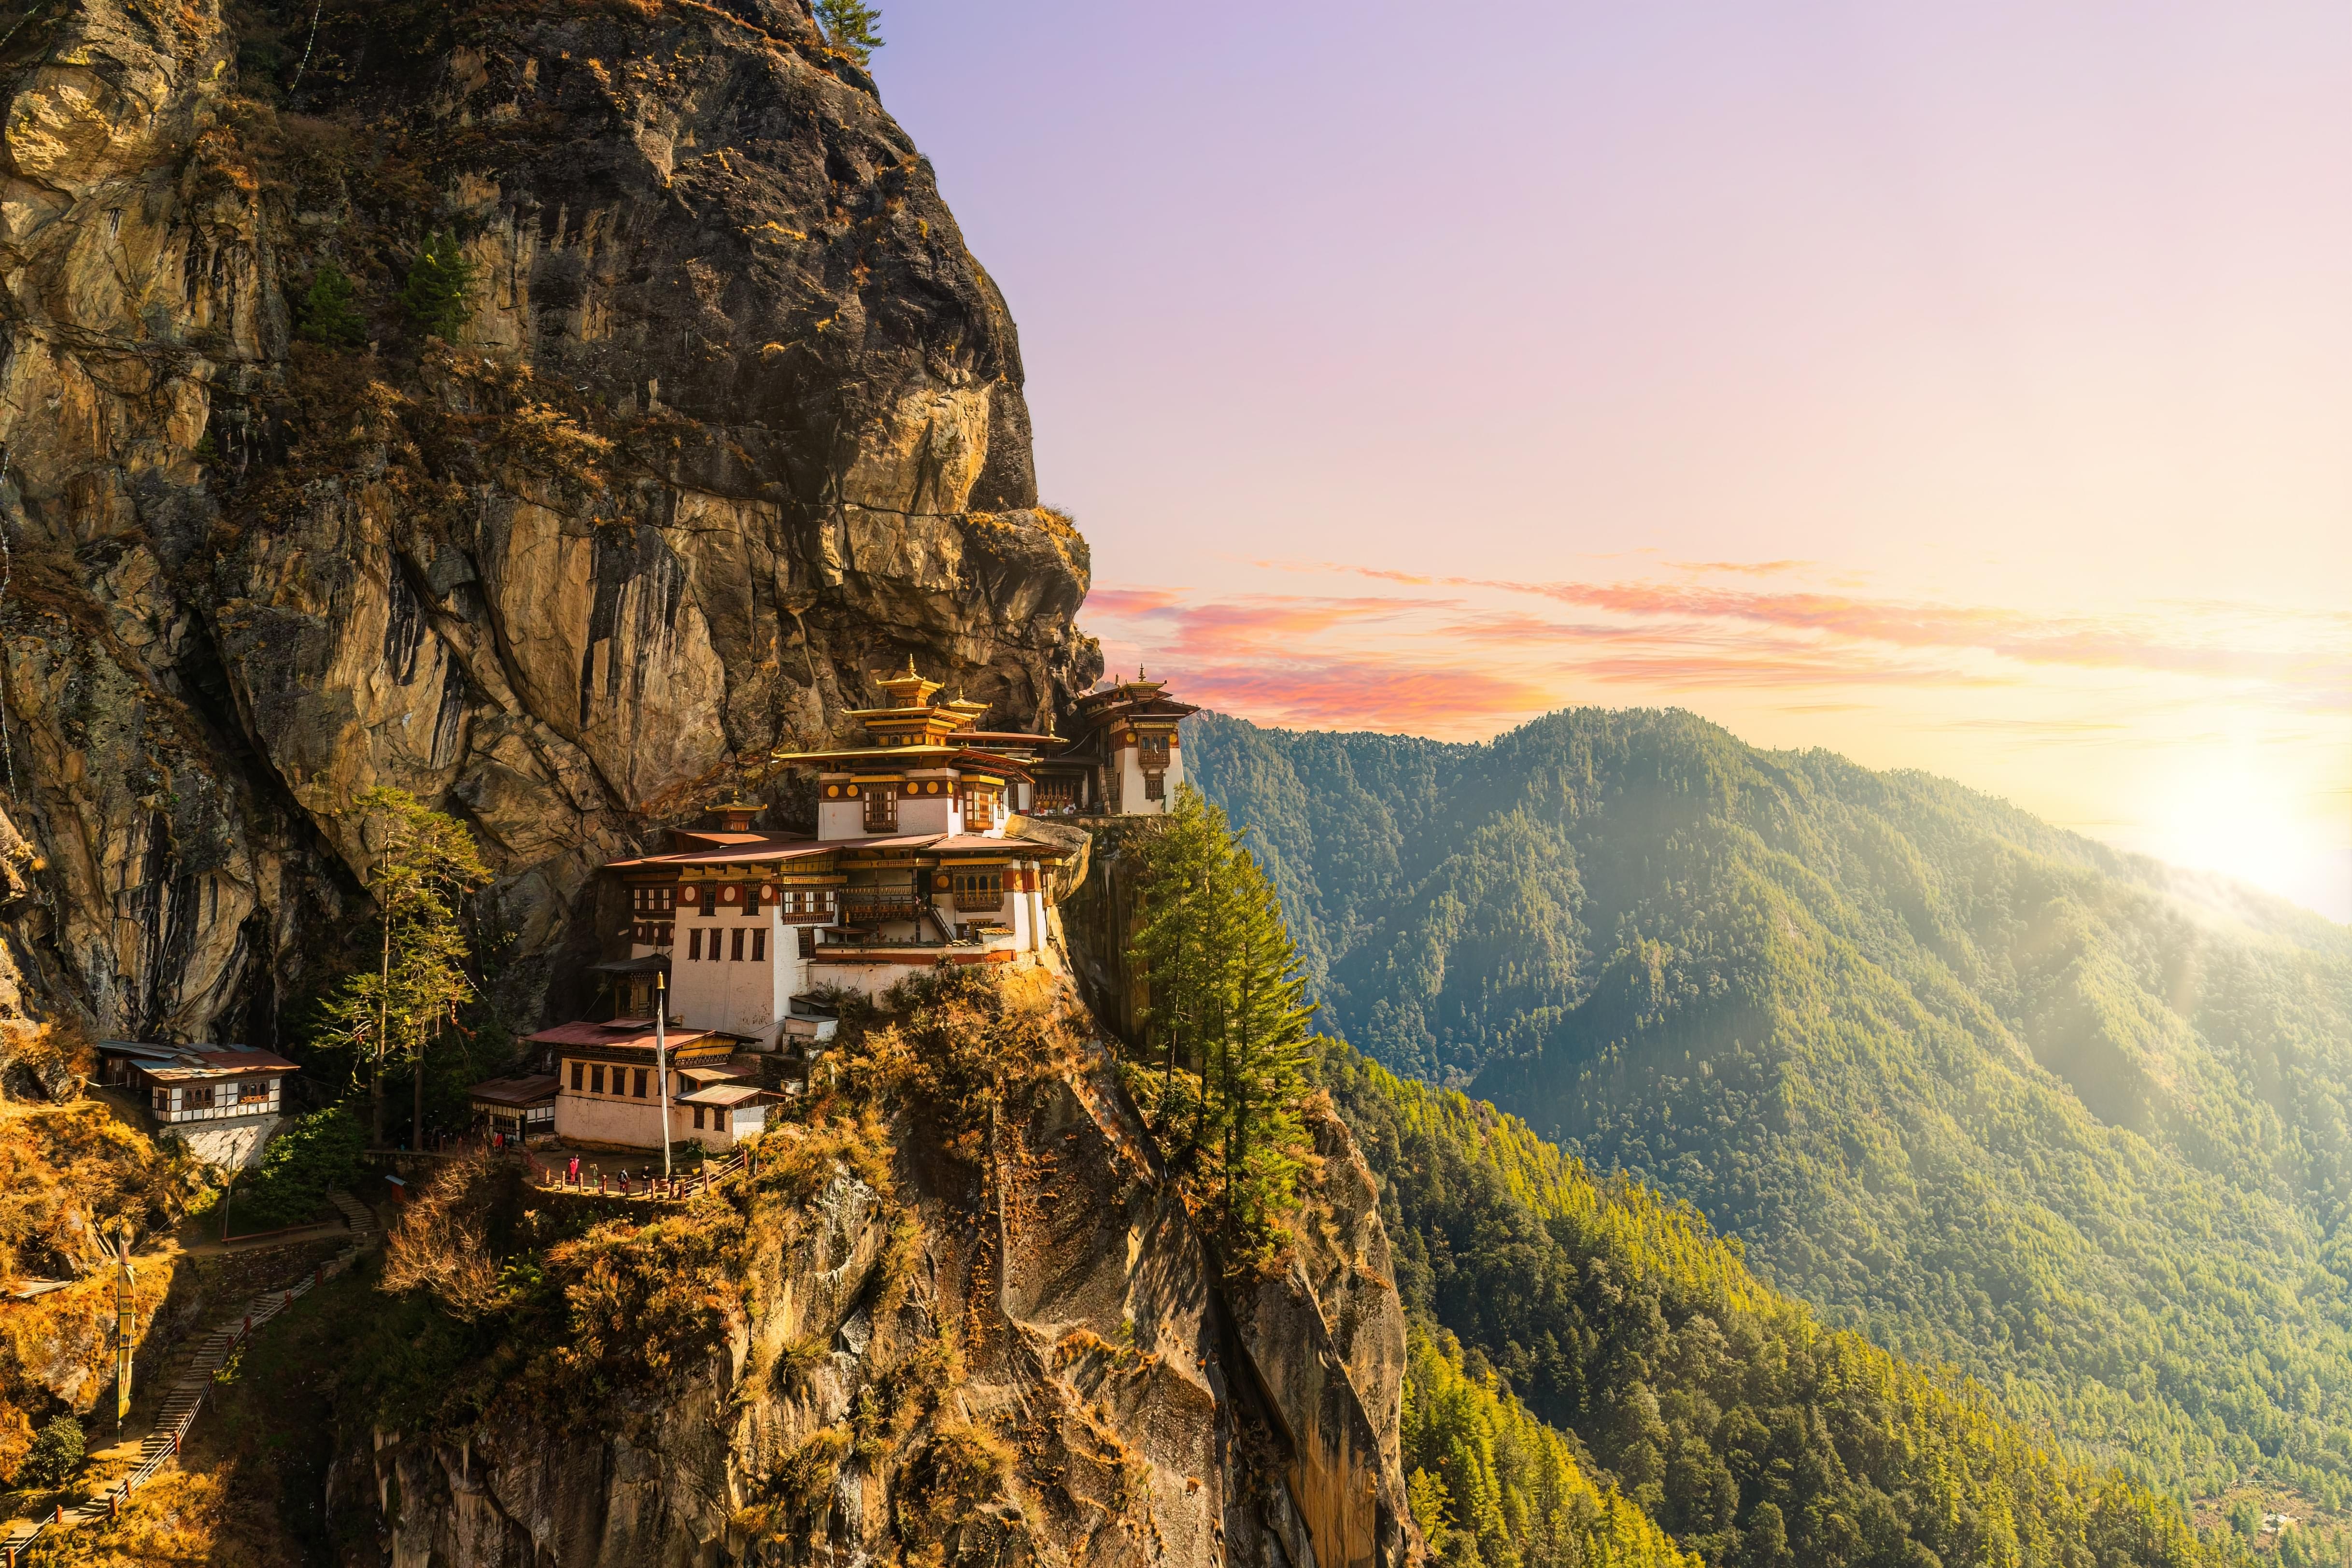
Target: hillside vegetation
point(1985, 1090)
point(1728, 1412)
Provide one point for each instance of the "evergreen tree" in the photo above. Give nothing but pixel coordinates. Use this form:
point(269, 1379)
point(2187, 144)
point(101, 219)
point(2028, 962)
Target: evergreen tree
point(1176, 946)
point(328, 316)
point(1263, 1053)
point(435, 295)
point(851, 26)
point(425, 865)
point(1227, 1001)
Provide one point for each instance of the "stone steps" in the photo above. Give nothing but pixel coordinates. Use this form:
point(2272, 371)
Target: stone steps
point(186, 1395)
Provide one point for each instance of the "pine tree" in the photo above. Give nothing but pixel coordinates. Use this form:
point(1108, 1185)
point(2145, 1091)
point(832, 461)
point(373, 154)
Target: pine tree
point(1224, 998)
point(436, 295)
point(1262, 1057)
point(1176, 947)
point(851, 26)
point(327, 315)
point(426, 864)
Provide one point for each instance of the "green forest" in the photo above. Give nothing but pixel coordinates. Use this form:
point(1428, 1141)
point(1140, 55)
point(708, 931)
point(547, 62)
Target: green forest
point(1725, 1412)
point(1988, 1092)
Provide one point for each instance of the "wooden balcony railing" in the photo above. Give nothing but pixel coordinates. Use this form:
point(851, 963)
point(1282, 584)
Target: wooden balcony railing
point(986, 902)
point(855, 911)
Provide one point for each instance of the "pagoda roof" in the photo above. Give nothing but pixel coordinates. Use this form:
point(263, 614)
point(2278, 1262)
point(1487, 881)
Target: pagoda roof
point(771, 852)
point(976, 760)
point(806, 849)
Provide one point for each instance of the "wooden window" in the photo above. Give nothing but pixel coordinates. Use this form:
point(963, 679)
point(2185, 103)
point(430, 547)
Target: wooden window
point(698, 1117)
point(808, 941)
point(881, 807)
point(579, 1070)
point(979, 890)
point(735, 949)
point(694, 947)
point(596, 1079)
point(1153, 751)
point(1155, 786)
point(162, 1102)
point(759, 946)
point(252, 1090)
point(639, 1090)
point(199, 1097)
point(1057, 794)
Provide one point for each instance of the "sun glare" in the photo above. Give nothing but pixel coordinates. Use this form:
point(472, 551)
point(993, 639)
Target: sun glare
point(2260, 829)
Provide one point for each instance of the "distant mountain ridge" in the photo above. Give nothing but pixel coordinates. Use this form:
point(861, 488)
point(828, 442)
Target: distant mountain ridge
point(1987, 1090)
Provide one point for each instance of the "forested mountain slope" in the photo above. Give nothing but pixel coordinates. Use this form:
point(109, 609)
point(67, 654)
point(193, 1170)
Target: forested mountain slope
point(1731, 1416)
point(1987, 1091)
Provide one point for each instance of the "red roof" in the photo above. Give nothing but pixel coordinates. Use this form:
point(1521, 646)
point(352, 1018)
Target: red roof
point(1020, 849)
point(770, 851)
point(773, 851)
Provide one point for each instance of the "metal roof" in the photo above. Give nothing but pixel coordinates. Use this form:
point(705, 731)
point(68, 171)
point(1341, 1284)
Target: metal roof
point(623, 1034)
point(723, 1094)
point(530, 1089)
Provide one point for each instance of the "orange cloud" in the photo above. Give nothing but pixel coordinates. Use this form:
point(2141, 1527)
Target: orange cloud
point(1368, 693)
point(2114, 643)
point(1430, 661)
point(1745, 567)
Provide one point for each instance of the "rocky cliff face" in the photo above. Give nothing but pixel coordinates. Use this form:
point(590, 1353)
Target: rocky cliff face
point(733, 421)
point(977, 1325)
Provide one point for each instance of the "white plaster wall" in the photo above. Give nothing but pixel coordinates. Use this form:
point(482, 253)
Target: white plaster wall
point(1132, 802)
point(741, 996)
point(927, 814)
point(871, 978)
point(601, 1119)
point(841, 819)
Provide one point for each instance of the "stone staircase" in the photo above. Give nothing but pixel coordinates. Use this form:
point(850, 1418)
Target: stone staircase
point(186, 1395)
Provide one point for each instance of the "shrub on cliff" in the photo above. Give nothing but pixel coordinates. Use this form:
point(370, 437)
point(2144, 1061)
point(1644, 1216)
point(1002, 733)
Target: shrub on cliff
point(319, 1152)
point(328, 315)
point(56, 1453)
point(435, 296)
point(851, 26)
point(75, 1175)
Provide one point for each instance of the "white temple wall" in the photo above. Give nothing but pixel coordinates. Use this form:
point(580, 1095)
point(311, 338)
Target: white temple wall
point(740, 995)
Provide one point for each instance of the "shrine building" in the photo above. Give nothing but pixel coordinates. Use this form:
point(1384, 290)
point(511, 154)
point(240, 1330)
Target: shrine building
point(1124, 759)
point(919, 859)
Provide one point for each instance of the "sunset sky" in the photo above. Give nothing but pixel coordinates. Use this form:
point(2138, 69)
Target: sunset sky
point(1965, 388)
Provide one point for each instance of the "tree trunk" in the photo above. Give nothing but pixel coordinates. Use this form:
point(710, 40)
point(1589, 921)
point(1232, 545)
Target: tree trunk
point(383, 1020)
point(416, 1137)
point(375, 1104)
